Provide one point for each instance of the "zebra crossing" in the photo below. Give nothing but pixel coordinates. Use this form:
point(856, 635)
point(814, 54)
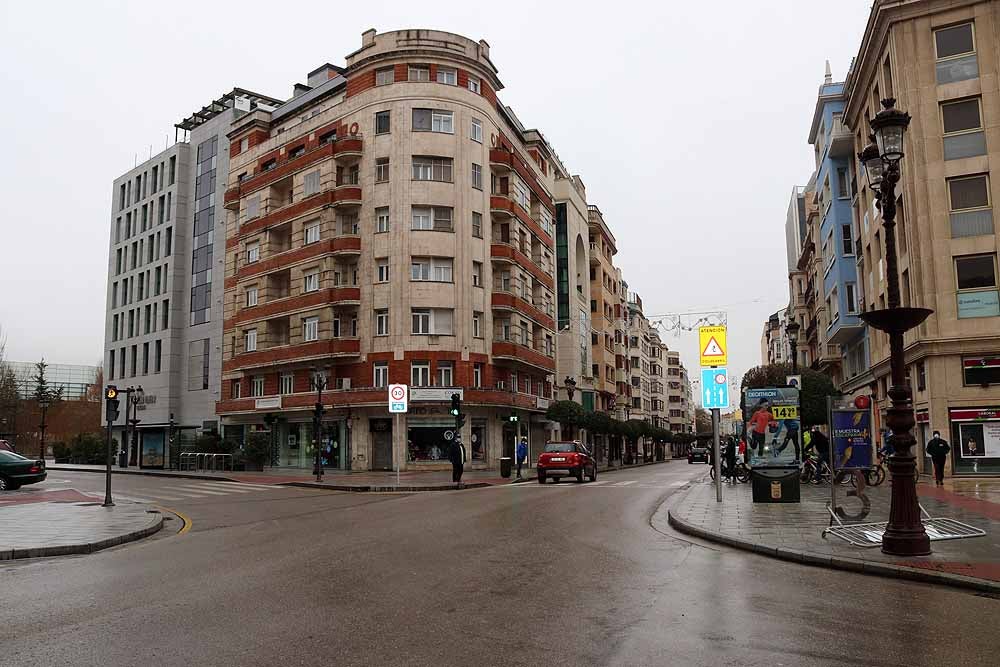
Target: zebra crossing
point(197, 491)
point(570, 483)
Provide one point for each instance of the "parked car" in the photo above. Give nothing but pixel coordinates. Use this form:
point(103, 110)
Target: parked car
point(16, 471)
point(699, 454)
point(562, 459)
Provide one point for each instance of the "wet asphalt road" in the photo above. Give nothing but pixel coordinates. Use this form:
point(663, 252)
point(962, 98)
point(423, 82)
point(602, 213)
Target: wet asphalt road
point(528, 575)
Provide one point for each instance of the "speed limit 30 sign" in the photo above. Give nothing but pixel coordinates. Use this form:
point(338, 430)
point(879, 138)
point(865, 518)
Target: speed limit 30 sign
point(398, 397)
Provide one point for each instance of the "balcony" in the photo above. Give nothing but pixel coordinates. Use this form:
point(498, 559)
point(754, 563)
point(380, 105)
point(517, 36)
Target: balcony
point(511, 301)
point(348, 146)
point(503, 207)
point(346, 245)
point(336, 296)
point(501, 160)
point(511, 347)
point(333, 348)
point(845, 330)
point(506, 253)
point(347, 194)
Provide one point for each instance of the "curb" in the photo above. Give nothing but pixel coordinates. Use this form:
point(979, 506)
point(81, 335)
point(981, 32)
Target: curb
point(837, 562)
point(376, 488)
point(85, 547)
point(530, 478)
point(144, 473)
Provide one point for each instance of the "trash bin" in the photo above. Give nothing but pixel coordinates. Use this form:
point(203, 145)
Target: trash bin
point(505, 465)
point(775, 485)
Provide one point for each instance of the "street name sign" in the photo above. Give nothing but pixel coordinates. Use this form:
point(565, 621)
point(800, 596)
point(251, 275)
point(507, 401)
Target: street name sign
point(398, 398)
point(712, 345)
point(714, 388)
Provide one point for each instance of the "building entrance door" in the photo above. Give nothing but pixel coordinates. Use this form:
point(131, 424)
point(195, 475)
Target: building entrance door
point(381, 444)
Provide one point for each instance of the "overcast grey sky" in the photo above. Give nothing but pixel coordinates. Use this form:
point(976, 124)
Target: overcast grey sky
point(687, 122)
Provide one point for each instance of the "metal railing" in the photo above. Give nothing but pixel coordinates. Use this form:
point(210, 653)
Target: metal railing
point(205, 461)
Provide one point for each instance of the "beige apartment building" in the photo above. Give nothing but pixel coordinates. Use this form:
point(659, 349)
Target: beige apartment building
point(939, 59)
point(605, 312)
point(391, 222)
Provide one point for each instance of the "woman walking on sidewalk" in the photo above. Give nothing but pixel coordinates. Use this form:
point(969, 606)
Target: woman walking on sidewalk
point(938, 450)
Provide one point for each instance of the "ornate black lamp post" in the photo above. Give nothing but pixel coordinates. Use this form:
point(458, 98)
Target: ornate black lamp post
point(43, 403)
point(792, 329)
point(905, 534)
point(319, 383)
point(570, 385)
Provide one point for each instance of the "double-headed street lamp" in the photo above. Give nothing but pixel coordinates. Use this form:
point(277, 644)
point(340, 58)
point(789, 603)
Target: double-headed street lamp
point(319, 383)
point(904, 534)
point(44, 404)
point(792, 329)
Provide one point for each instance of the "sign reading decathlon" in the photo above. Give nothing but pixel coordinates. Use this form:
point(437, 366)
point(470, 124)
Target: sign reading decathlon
point(712, 345)
point(398, 397)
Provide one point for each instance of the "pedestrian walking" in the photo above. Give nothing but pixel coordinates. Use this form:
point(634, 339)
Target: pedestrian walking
point(522, 455)
point(938, 449)
point(730, 460)
point(457, 456)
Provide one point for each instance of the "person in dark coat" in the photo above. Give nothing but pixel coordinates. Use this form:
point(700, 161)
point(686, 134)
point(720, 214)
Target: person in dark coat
point(821, 444)
point(938, 450)
point(730, 459)
point(456, 454)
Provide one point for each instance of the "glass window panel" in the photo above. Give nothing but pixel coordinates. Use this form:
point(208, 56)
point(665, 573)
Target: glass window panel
point(975, 272)
point(954, 41)
point(960, 116)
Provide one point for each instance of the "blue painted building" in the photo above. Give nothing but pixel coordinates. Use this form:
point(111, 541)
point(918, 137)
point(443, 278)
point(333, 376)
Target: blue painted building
point(839, 297)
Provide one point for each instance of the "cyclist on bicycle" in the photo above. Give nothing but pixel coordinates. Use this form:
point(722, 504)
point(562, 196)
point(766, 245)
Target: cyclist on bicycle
point(821, 444)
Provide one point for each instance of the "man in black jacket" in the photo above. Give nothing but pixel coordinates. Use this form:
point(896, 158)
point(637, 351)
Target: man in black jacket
point(938, 450)
point(822, 446)
point(456, 454)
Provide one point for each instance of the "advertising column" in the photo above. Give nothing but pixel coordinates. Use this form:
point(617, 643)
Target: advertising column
point(774, 444)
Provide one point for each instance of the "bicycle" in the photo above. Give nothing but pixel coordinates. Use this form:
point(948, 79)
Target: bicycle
point(742, 472)
point(825, 476)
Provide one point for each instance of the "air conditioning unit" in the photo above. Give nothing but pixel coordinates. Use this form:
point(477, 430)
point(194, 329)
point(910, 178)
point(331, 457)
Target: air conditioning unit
point(343, 383)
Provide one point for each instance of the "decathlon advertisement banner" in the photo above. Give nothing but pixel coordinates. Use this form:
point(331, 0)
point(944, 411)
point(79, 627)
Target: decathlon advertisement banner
point(775, 436)
point(851, 438)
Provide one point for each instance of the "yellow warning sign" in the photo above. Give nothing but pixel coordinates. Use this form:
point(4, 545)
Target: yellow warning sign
point(712, 344)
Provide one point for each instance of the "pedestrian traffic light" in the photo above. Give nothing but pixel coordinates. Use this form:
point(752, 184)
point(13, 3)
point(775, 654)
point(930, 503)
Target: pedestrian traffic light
point(456, 404)
point(110, 392)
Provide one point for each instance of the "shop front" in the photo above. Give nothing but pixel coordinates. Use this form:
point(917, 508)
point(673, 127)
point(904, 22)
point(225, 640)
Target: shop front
point(975, 445)
point(429, 439)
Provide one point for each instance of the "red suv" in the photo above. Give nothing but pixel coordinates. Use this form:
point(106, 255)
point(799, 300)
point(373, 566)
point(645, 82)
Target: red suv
point(562, 459)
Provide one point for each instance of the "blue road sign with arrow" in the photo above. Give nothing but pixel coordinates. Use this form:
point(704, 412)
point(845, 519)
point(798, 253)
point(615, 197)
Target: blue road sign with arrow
point(714, 388)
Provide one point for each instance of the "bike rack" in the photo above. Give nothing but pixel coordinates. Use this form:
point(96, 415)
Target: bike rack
point(868, 535)
point(193, 461)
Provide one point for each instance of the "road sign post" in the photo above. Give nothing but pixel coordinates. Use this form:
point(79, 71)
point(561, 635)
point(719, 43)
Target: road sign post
point(399, 396)
point(717, 460)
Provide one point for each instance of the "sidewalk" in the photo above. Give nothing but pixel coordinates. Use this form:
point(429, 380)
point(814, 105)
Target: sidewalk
point(340, 480)
point(35, 523)
point(793, 531)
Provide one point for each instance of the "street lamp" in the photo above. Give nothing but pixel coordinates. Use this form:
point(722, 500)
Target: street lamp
point(319, 382)
point(792, 329)
point(135, 397)
point(904, 534)
point(570, 385)
point(43, 403)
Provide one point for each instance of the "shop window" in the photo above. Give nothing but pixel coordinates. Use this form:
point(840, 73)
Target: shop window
point(981, 371)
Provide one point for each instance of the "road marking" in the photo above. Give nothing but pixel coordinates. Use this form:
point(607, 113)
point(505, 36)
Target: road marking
point(598, 483)
point(248, 485)
point(187, 521)
point(226, 489)
point(188, 489)
point(160, 496)
point(631, 481)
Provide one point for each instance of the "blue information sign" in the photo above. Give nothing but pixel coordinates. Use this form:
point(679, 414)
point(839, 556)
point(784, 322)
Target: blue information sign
point(714, 388)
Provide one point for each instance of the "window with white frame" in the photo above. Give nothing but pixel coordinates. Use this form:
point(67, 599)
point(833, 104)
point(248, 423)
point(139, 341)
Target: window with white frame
point(851, 298)
point(382, 122)
point(477, 274)
point(253, 207)
point(476, 133)
point(382, 170)
point(520, 192)
point(545, 220)
point(477, 176)
point(846, 240)
point(381, 374)
point(443, 121)
point(310, 328)
point(438, 218)
point(250, 340)
point(834, 303)
point(443, 219)
point(419, 73)
point(382, 220)
point(384, 76)
point(843, 184)
point(473, 84)
point(310, 281)
point(828, 251)
point(287, 383)
point(477, 324)
point(434, 269)
point(382, 322)
point(445, 374)
point(251, 297)
point(257, 386)
point(477, 225)
point(420, 373)
point(310, 184)
point(235, 389)
point(477, 375)
point(421, 320)
point(447, 76)
point(432, 169)
point(312, 233)
point(253, 252)
point(335, 327)
point(382, 271)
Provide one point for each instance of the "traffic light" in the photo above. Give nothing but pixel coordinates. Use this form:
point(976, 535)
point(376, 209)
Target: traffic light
point(111, 397)
point(456, 404)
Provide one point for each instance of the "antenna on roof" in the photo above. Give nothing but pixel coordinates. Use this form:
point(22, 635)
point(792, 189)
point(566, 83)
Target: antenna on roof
point(828, 77)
